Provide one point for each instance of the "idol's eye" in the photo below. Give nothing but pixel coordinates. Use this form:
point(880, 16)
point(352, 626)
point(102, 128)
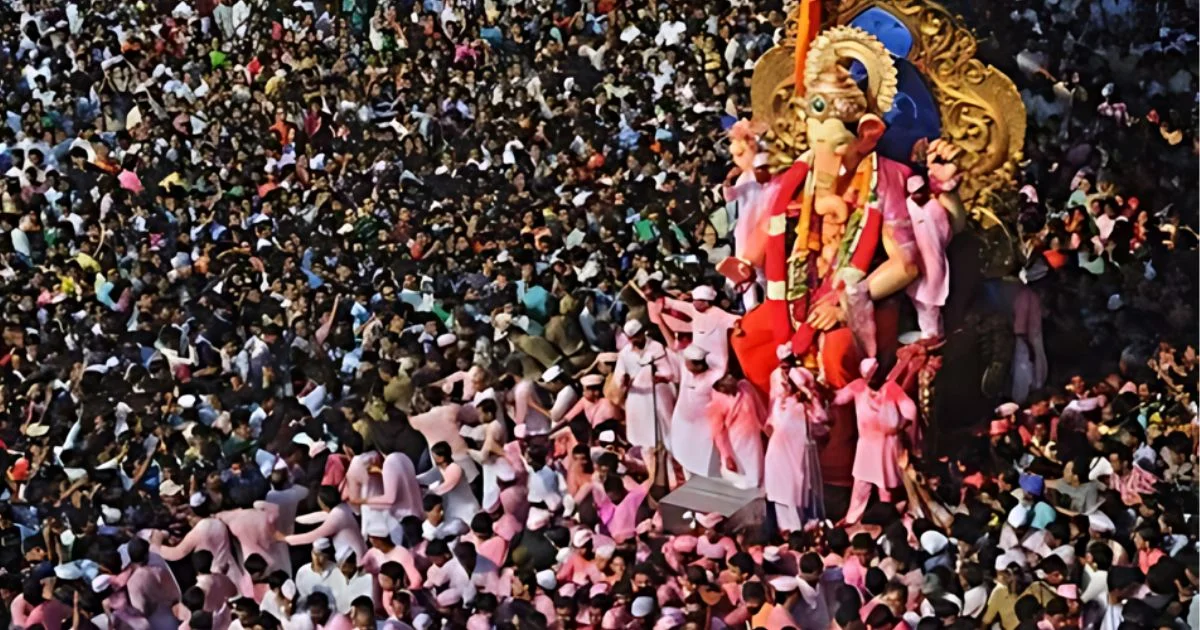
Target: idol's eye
point(817, 104)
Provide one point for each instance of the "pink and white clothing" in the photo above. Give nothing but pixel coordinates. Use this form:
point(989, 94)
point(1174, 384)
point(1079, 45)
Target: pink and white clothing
point(710, 331)
point(359, 483)
point(338, 525)
point(255, 530)
point(736, 422)
point(451, 484)
point(645, 401)
point(152, 592)
point(749, 233)
point(400, 495)
point(691, 437)
point(521, 399)
point(440, 424)
point(931, 227)
point(795, 483)
point(881, 417)
point(375, 558)
point(212, 535)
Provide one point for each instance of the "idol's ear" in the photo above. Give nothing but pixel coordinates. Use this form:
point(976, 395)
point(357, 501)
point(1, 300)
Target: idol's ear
point(870, 130)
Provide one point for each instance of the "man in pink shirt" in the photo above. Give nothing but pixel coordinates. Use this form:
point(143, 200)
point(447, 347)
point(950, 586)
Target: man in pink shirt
point(440, 424)
point(151, 589)
point(384, 550)
point(217, 587)
point(254, 529)
point(336, 522)
point(206, 533)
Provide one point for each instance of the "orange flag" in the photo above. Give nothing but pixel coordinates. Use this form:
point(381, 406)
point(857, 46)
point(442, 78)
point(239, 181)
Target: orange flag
point(806, 30)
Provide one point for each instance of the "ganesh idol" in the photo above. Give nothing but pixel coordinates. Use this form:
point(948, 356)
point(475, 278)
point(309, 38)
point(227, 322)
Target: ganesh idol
point(836, 240)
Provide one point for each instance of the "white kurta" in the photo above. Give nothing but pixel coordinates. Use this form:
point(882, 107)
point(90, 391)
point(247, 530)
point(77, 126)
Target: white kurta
point(710, 331)
point(795, 483)
point(492, 466)
point(644, 402)
point(691, 438)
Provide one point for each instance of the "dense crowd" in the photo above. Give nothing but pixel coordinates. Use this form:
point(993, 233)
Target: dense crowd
point(351, 315)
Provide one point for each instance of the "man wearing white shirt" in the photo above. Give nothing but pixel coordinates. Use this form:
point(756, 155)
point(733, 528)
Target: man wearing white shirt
point(320, 576)
point(355, 582)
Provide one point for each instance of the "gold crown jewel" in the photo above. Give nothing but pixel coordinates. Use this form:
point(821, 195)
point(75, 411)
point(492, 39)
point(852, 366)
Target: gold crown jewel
point(823, 70)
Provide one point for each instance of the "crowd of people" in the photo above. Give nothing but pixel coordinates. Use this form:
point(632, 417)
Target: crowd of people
point(396, 314)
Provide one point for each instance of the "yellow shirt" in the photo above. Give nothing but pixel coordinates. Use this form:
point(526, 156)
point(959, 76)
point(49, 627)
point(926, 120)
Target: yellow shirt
point(1003, 604)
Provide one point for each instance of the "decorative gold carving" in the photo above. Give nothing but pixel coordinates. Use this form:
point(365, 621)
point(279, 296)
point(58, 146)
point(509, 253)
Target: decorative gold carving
point(980, 108)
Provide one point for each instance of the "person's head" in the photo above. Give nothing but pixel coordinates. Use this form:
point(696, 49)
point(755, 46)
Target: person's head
point(442, 455)
point(434, 509)
point(139, 551)
point(322, 553)
point(487, 410)
point(811, 568)
point(741, 566)
point(318, 607)
point(1099, 556)
point(1055, 569)
point(1145, 538)
point(328, 497)
point(362, 613)
point(202, 561)
point(895, 597)
point(392, 576)
point(754, 595)
point(438, 552)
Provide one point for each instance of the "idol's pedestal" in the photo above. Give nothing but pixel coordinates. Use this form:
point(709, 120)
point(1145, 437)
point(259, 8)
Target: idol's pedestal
point(701, 495)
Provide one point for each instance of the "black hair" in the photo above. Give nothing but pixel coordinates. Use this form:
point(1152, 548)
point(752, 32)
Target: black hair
point(139, 551)
point(202, 560)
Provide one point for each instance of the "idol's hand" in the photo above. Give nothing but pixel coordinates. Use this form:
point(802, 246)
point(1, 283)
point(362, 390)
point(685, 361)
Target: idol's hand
point(827, 313)
point(943, 172)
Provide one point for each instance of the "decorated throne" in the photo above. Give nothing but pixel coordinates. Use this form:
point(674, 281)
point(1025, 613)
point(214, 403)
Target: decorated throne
point(859, 98)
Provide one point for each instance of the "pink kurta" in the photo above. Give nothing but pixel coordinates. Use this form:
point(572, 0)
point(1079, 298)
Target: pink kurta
point(736, 423)
point(881, 416)
point(359, 482)
point(458, 500)
point(217, 590)
point(400, 494)
point(710, 331)
point(520, 398)
point(338, 524)
point(152, 592)
point(931, 228)
point(211, 535)
point(254, 530)
point(646, 402)
point(440, 424)
point(494, 548)
point(753, 205)
point(374, 560)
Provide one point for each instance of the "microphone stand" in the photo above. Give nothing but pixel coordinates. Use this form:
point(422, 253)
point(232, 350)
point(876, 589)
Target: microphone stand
point(659, 486)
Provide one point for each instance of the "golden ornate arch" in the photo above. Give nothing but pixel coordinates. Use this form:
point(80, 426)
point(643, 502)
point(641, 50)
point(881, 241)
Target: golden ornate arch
point(980, 108)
